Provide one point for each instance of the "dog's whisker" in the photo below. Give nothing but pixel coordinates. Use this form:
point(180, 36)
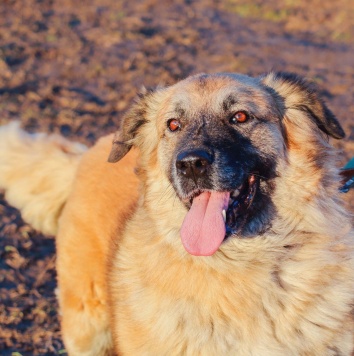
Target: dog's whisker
point(283, 178)
point(168, 190)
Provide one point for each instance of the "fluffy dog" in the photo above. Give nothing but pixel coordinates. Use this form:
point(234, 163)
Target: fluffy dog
point(220, 231)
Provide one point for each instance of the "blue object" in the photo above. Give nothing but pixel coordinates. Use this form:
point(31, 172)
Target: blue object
point(350, 164)
point(350, 182)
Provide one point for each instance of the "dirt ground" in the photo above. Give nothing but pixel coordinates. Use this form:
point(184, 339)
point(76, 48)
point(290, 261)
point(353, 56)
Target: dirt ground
point(73, 67)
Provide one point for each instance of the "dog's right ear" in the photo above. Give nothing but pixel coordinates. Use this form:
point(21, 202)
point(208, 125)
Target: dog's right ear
point(123, 140)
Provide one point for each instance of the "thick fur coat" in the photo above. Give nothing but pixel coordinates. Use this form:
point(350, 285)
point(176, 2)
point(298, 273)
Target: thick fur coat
point(139, 274)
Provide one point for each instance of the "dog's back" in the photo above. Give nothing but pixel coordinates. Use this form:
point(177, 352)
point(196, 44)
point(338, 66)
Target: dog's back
point(102, 198)
point(55, 184)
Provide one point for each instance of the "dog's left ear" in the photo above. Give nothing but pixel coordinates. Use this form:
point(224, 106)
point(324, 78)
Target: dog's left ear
point(302, 95)
point(123, 140)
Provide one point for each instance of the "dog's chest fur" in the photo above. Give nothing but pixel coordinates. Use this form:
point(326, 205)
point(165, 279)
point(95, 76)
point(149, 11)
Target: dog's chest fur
point(261, 304)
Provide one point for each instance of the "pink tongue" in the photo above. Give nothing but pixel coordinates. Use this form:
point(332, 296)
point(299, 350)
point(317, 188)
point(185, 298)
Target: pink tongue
point(203, 228)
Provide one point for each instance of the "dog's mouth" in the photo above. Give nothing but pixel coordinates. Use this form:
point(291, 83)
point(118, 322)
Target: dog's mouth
point(214, 216)
point(239, 203)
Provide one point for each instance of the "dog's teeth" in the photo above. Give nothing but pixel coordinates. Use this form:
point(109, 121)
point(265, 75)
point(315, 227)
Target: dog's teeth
point(235, 193)
point(224, 214)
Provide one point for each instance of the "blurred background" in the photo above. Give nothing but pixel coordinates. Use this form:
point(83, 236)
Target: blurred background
point(73, 67)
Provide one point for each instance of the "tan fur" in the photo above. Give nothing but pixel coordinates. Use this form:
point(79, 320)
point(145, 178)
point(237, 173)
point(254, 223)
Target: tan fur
point(127, 286)
point(37, 172)
point(86, 228)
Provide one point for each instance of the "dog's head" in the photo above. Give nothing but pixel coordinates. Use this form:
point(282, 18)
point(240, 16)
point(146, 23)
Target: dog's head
point(220, 141)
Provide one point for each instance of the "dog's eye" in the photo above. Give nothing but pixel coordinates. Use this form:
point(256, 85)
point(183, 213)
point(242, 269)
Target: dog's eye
point(173, 125)
point(239, 117)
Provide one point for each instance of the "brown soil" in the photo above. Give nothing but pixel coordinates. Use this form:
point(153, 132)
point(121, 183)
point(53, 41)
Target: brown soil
point(74, 69)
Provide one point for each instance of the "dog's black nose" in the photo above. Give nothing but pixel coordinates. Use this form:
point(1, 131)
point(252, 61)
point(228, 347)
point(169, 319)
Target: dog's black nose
point(193, 164)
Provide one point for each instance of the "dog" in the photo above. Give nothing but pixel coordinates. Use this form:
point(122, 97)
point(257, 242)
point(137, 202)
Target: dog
point(218, 230)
